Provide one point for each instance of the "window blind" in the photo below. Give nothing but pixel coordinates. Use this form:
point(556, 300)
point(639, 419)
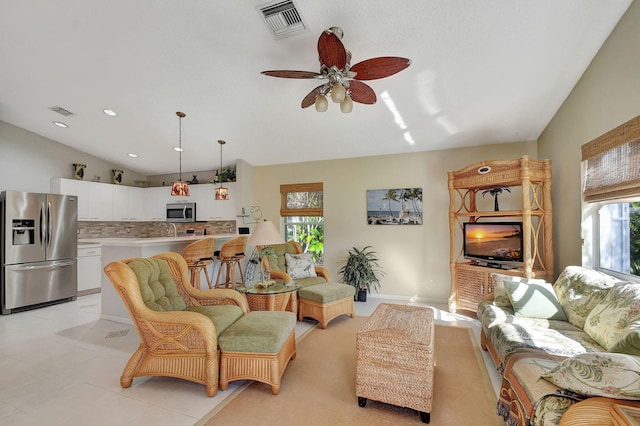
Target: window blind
point(613, 164)
point(301, 199)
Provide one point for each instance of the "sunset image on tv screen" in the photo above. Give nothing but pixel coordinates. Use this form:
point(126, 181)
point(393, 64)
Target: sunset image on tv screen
point(493, 240)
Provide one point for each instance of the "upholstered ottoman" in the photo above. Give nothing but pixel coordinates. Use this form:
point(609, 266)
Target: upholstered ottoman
point(258, 347)
point(324, 302)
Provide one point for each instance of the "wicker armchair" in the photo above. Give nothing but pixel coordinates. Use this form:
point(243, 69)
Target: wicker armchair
point(176, 343)
point(278, 268)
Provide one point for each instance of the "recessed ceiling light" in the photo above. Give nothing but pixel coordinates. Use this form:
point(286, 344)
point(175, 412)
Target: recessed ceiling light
point(110, 112)
point(132, 155)
point(60, 124)
point(177, 148)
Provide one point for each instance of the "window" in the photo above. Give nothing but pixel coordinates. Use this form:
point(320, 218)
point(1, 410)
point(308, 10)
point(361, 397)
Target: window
point(301, 207)
point(309, 232)
point(618, 227)
point(611, 208)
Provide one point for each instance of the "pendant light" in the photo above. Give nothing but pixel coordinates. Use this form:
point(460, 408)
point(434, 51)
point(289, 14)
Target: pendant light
point(222, 193)
point(180, 188)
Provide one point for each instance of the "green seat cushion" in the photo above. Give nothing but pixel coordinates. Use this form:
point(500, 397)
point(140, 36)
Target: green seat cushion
point(158, 290)
point(311, 281)
point(258, 331)
point(221, 315)
point(327, 292)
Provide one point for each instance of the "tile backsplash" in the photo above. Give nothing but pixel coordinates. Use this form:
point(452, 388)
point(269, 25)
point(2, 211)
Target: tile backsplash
point(88, 230)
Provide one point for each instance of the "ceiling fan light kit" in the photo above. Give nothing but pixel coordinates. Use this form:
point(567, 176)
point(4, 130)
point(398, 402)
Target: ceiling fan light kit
point(180, 188)
point(345, 81)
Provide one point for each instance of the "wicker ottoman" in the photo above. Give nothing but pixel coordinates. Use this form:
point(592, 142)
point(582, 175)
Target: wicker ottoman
point(258, 347)
point(395, 358)
point(324, 302)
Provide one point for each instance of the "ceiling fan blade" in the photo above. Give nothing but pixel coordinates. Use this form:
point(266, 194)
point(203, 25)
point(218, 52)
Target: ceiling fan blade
point(310, 99)
point(361, 93)
point(331, 51)
point(292, 74)
point(381, 67)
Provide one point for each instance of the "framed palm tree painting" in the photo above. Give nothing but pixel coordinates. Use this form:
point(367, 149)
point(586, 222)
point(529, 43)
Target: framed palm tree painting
point(399, 206)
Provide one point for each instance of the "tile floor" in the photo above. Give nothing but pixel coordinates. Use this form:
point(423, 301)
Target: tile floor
point(61, 365)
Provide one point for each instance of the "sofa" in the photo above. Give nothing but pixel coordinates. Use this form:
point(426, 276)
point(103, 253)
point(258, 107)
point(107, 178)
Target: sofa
point(558, 344)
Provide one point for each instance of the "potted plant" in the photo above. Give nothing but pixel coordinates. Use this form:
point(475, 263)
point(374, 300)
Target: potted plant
point(362, 271)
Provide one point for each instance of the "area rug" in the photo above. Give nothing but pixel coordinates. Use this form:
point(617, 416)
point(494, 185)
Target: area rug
point(318, 387)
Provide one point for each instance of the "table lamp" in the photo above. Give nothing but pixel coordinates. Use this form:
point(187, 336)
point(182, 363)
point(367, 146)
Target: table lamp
point(265, 234)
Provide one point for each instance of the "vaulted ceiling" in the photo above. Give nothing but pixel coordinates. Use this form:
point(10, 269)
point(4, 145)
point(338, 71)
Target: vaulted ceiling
point(482, 72)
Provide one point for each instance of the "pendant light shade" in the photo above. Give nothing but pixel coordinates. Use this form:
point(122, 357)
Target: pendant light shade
point(321, 103)
point(222, 193)
point(180, 188)
point(346, 105)
point(338, 93)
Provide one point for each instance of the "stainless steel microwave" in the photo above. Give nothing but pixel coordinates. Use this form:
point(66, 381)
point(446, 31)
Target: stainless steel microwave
point(181, 212)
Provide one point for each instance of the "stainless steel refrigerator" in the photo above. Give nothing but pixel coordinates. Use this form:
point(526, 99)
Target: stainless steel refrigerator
point(39, 241)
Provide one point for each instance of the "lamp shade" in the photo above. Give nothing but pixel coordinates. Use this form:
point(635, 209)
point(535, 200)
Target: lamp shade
point(180, 189)
point(222, 193)
point(265, 234)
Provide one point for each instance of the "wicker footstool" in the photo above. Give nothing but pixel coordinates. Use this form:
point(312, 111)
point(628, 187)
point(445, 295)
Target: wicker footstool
point(395, 358)
point(258, 347)
point(324, 302)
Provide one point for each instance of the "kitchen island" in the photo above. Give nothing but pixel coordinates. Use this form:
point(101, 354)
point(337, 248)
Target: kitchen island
point(114, 249)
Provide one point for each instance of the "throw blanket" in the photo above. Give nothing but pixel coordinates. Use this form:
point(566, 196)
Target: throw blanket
point(526, 398)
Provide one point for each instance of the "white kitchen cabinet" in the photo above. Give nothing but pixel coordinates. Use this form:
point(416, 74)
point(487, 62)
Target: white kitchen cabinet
point(89, 268)
point(107, 202)
point(155, 202)
point(94, 198)
point(128, 203)
point(208, 208)
point(100, 201)
point(226, 209)
point(74, 187)
point(202, 195)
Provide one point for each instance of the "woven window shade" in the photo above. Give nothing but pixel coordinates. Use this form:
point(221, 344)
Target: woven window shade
point(301, 199)
point(613, 164)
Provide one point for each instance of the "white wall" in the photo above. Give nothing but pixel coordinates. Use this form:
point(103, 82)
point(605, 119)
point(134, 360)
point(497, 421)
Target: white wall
point(28, 162)
point(607, 95)
point(415, 258)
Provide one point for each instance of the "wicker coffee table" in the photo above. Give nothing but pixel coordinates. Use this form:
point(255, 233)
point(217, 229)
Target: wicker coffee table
point(395, 358)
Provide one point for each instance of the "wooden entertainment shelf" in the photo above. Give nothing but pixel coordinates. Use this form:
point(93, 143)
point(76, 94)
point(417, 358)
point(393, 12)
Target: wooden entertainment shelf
point(470, 283)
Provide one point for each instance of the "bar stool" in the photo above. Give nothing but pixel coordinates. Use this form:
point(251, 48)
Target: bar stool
point(230, 255)
point(199, 255)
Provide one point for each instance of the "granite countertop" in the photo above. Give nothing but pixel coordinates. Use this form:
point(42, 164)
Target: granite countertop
point(152, 241)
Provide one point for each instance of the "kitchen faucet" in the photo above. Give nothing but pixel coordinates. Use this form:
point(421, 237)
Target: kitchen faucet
point(175, 230)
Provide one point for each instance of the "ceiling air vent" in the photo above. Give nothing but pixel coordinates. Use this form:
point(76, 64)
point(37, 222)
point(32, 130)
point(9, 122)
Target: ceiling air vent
point(283, 18)
point(61, 111)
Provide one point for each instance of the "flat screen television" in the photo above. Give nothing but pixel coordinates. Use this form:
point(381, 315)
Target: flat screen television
point(493, 243)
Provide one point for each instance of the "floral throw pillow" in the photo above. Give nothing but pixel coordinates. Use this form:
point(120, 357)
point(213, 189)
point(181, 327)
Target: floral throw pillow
point(605, 374)
point(615, 322)
point(300, 265)
point(579, 289)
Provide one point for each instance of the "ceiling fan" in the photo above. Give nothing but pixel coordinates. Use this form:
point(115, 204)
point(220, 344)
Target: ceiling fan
point(344, 83)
